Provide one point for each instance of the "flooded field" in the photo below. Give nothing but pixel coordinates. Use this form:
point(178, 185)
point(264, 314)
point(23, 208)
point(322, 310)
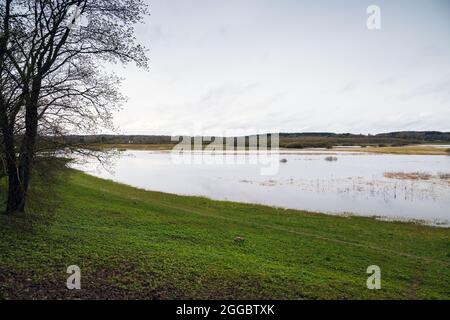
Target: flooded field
point(400, 187)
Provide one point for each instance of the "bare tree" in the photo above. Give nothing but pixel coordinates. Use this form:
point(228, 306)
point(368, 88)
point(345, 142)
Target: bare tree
point(51, 74)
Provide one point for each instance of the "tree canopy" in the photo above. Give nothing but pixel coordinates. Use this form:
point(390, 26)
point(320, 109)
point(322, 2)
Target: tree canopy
point(52, 74)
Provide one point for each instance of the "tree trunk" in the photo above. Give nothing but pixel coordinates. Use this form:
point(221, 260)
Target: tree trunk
point(19, 178)
point(16, 196)
point(19, 172)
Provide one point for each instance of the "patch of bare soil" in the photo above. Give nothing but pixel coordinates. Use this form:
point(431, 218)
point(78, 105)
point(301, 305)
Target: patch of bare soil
point(16, 285)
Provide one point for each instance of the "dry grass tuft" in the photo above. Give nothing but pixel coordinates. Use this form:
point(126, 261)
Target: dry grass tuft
point(444, 176)
point(408, 175)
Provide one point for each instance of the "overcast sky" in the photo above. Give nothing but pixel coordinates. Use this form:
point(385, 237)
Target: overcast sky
point(290, 65)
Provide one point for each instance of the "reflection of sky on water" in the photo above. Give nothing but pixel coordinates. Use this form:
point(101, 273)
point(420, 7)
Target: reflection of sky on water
point(353, 184)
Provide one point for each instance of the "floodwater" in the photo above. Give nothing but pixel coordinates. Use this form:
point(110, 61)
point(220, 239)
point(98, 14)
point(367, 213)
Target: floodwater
point(354, 184)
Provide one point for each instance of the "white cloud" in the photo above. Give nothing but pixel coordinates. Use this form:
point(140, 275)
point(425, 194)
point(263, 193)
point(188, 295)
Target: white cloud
point(297, 66)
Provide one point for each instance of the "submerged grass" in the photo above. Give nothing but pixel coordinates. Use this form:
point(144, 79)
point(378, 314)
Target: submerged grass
point(416, 175)
point(131, 243)
point(408, 175)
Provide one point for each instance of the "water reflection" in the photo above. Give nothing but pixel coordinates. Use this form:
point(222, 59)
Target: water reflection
point(355, 183)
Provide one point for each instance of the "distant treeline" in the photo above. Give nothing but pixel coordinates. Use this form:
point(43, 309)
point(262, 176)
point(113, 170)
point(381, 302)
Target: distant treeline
point(328, 140)
point(290, 140)
point(119, 139)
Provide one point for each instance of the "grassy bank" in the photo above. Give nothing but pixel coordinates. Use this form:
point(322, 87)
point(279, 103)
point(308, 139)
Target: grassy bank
point(131, 146)
point(131, 243)
point(407, 150)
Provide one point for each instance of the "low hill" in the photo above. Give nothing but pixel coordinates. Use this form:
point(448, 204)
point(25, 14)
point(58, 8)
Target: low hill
point(288, 140)
point(136, 244)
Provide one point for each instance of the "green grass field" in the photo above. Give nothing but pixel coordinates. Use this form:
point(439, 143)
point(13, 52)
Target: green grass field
point(132, 244)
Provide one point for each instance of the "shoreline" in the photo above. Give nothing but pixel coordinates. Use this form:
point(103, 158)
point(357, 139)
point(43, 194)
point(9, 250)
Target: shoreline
point(404, 150)
point(435, 223)
point(136, 244)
